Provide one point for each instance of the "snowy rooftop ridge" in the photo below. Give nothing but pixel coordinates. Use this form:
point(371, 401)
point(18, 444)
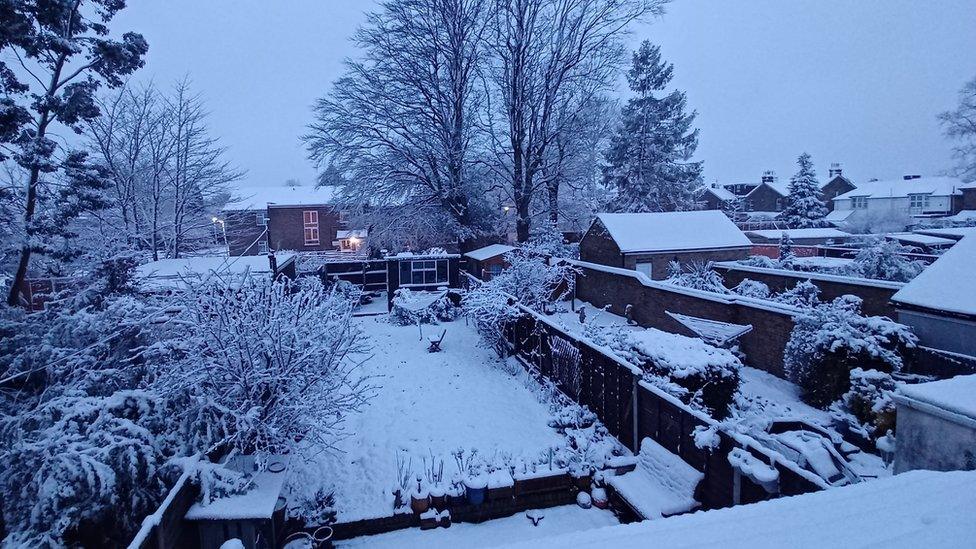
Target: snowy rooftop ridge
point(825, 232)
point(914, 509)
point(901, 188)
point(259, 198)
point(946, 285)
point(490, 250)
point(670, 231)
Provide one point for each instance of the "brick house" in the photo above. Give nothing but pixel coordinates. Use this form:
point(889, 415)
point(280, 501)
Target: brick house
point(648, 242)
point(771, 194)
point(910, 198)
point(282, 218)
point(715, 197)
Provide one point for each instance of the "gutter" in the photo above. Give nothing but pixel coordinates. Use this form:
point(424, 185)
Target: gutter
point(936, 411)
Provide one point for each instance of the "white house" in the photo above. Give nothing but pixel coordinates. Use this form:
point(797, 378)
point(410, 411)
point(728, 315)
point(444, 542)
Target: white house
point(910, 197)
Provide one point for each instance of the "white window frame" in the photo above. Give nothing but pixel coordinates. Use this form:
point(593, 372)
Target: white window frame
point(262, 246)
point(859, 202)
point(918, 201)
point(262, 219)
point(310, 226)
point(427, 267)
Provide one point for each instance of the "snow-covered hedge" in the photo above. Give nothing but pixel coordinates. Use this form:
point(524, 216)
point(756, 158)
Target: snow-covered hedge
point(833, 339)
point(704, 376)
point(867, 408)
point(412, 308)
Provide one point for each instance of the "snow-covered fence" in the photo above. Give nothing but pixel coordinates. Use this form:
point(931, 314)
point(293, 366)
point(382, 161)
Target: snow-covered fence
point(632, 410)
point(165, 528)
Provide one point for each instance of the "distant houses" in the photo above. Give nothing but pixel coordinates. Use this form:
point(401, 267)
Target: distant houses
point(769, 196)
point(303, 219)
point(648, 242)
point(912, 197)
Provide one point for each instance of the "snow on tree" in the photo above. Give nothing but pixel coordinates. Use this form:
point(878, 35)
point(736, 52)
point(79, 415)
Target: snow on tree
point(530, 279)
point(752, 288)
point(804, 295)
point(867, 407)
point(787, 257)
point(834, 338)
point(960, 126)
point(264, 364)
point(67, 44)
point(698, 275)
point(649, 160)
point(885, 259)
point(804, 204)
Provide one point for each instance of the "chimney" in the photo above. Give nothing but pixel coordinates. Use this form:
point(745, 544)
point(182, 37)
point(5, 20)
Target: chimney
point(835, 170)
point(911, 176)
point(769, 176)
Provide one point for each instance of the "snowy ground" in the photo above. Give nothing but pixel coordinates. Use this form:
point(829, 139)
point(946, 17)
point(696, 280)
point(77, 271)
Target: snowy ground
point(558, 520)
point(430, 404)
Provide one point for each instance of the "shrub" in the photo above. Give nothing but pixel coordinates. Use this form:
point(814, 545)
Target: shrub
point(697, 275)
point(408, 309)
point(833, 339)
point(752, 288)
point(867, 406)
point(760, 261)
point(805, 295)
point(883, 259)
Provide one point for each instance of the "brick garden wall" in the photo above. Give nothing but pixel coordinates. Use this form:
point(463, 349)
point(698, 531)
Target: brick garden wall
point(876, 294)
point(763, 346)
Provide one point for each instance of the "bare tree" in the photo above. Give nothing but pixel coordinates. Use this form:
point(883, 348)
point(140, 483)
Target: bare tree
point(542, 49)
point(400, 123)
point(960, 126)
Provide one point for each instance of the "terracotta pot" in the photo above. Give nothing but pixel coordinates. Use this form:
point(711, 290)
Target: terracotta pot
point(419, 504)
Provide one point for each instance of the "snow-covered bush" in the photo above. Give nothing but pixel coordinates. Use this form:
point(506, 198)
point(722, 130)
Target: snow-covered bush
point(412, 308)
point(530, 279)
point(884, 259)
point(867, 407)
point(760, 261)
point(804, 295)
point(834, 338)
point(697, 275)
point(263, 364)
point(703, 376)
point(787, 257)
point(752, 288)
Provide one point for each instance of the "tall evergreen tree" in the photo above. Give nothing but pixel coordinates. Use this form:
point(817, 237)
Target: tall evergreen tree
point(648, 162)
point(805, 207)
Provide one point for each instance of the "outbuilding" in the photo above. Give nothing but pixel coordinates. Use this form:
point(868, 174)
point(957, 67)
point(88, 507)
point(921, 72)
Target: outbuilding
point(937, 425)
point(805, 237)
point(488, 261)
point(648, 242)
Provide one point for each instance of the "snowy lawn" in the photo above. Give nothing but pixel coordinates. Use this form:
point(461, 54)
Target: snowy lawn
point(517, 528)
point(430, 404)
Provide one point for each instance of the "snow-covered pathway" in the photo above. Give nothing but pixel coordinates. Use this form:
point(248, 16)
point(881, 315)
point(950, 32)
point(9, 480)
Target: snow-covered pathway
point(430, 404)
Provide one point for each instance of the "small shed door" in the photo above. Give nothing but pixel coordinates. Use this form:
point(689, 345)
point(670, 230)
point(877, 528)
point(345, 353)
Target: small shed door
point(645, 268)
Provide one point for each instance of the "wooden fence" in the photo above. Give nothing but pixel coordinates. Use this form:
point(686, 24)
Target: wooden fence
point(632, 410)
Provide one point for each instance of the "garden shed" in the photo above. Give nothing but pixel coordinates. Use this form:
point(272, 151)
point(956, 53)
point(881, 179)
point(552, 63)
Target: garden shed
point(937, 425)
point(648, 242)
point(421, 272)
point(807, 237)
point(488, 261)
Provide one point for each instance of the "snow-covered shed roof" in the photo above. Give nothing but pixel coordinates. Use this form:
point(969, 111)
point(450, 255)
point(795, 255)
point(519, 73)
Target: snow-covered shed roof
point(170, 273)
point(901, 188)
point(712, 331)
point(667, 231)
point(955, 233)
point(259, 198)
point(839, 216)
point(965, 216)
point(913, 509)
point(492, 250)
point(946, 285)
point(957, 394)
point(826, 232)
point(920, 239)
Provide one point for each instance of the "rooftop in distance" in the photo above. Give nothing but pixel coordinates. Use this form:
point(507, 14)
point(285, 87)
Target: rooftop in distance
point(259, 198)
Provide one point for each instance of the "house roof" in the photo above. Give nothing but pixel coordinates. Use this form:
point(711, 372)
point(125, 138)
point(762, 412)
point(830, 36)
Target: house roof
point(352, 233)
point(721, 193)
point(171, 273)
point(492, 250)
point(826, 232)
point(837, 216)
point(954, 394)
point(660, 232)
point(901, 188)
point(259, 198)
point(913, 509)
point(946, 285)
point(921, 239)
point(954, 233)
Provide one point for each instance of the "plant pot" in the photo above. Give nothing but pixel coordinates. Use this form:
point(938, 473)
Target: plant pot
point(429, 520)
point(323, 538)
point(438, 499)
point(419, 503)
point(457, 498)
point(445, 519)
point(501, 486)
point(600, 499)
point(476, 489)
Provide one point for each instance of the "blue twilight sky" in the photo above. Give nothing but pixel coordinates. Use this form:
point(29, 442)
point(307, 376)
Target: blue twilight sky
point(857, 81)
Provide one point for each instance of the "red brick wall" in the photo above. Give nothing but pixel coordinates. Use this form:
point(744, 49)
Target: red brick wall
point(763, 199)
point(286, 229)
point(763, 346)
point(596, 246)
point(661, 261)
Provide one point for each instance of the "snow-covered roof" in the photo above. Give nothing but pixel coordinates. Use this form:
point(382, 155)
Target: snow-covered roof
point(837, 216)
point(913, 509)
point(259, 198)
point(920, 239)
point(170, 273)
point(352, 233)
point(491, 250)
point(957, 394)
point(954, 233)
point(721, 193)
point(901, 188)
point(775, 234)
point(660, 232)
point(257, 503)
point(946, 285)
point(965, 216)
point(712, 331)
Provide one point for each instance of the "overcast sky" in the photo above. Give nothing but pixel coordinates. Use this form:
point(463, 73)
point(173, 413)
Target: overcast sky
point(858, 81)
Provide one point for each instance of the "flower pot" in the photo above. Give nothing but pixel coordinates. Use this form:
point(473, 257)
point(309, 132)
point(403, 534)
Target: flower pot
point(500, 486)
point(419, 503)
point(600, 499)
point(438, 498)
point(445, 519)
point(456, 496)
point(476, 488)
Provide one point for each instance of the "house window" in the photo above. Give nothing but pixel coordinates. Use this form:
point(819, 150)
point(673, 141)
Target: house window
point(310, 220)
point(918, 201)
point(262, 219)
point(343, 216)
point(646, 268)
point(749, 205)
point(779, 204)
point(859, 202)
point(262, 246)
point(423, 272)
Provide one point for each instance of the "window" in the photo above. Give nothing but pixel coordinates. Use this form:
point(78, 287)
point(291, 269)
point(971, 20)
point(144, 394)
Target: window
point(310, 219)
point(749, 205)
point(494, 270)
point(343, 216)
point(918, 201)
point(262, 246)
point(423, 272)
point(646, 268)
point(779, 204)
point(262, 219)
point(859, 202)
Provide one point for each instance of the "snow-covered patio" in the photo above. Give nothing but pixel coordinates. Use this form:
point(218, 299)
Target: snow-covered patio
point(430, 404)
